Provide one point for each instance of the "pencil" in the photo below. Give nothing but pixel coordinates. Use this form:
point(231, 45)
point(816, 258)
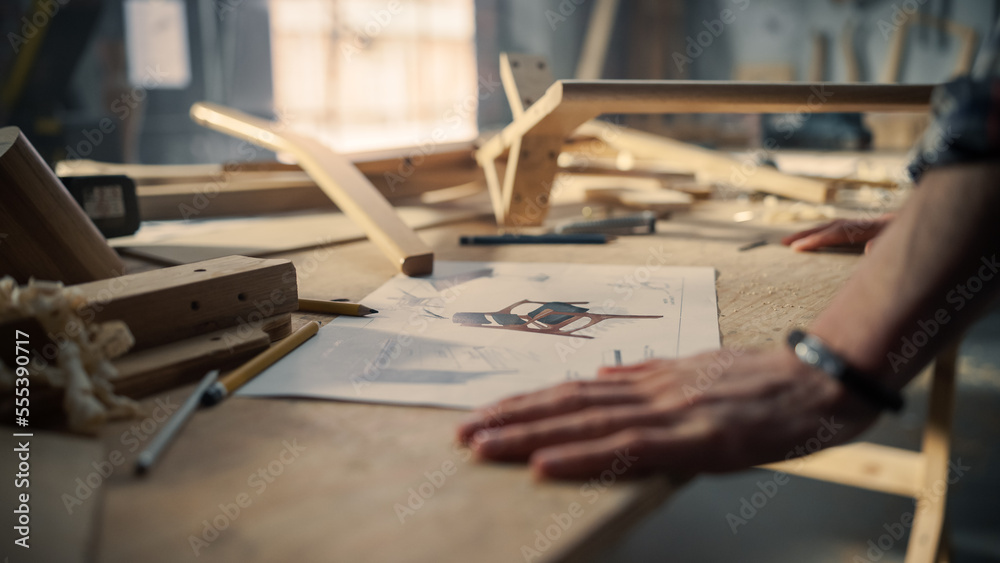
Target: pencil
point(550, 238)
point(334, 308)
point(149, 456)
point(236, 378)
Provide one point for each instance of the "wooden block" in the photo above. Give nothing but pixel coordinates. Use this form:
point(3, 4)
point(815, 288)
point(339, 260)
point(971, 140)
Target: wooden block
point(176, 303)
point(155, 369)
point(344, 183)
point(43, 231)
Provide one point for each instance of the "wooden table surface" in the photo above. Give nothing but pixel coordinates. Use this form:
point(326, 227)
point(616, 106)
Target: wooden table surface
point(321, 480)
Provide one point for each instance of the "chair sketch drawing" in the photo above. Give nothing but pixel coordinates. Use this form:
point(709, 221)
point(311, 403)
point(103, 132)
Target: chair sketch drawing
point(550, 317)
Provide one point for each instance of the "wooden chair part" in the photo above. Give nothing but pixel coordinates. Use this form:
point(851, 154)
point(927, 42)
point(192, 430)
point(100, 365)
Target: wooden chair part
point(45, 233)
point(534, 139)
point(337, 176)
point(922, 475)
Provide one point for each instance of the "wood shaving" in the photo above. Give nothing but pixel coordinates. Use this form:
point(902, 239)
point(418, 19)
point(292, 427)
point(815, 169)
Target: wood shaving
point(84, 350)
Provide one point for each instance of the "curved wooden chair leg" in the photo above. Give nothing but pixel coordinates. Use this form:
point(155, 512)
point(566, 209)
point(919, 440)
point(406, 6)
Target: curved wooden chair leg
point(927, 536)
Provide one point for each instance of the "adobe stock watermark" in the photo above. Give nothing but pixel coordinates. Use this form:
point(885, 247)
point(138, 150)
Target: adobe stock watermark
point(130, 439)
point(530, 212)
point(897, 530)
point(394, 347)
point(258, 482)
point(452, 119)
point(435, 479)
point(721, 361)
point(248, 152)
point(704, 39)
point(563, 12)
point(788, 125)
point(122, 107)
point(626, 286)
point(376, 24)
point(591, 491)
point(901, 13)
point(750, 506)
point(928, 328)
point(33, 25)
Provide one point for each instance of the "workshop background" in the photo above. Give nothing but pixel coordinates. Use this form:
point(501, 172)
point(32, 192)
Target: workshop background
point(364, 82)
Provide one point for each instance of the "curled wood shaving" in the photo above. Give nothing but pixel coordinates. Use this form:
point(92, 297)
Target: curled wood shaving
point(82, 366)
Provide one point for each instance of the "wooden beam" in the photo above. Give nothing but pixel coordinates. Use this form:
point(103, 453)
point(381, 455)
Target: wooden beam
point(44, 233)
point(180, 302)
point(925, 542)
point(535, 138)
point(344, 183)
point(863, 465)
point(594, 51)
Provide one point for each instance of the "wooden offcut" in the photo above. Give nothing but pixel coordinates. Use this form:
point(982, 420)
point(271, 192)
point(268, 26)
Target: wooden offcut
point(164, 367)
point(337, 176)
point(44, 233)
point(176, 303)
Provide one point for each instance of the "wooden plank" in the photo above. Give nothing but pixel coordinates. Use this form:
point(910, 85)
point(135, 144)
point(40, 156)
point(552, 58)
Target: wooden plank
point(45, 233)
point(175, 303)
point(864, 465)
point(344, 183)
point(594, 51)
point(534, 139)
point(709, 165)
point(177, 363)
point(925, 544)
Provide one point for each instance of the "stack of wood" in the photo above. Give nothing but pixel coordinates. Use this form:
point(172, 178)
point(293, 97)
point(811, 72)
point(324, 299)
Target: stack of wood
point(253, 188)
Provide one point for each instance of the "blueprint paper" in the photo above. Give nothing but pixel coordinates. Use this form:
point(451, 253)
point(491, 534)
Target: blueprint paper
point(475, 332)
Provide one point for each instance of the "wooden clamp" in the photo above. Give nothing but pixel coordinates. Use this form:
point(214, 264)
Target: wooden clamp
point(534, 139)
point(336, 176)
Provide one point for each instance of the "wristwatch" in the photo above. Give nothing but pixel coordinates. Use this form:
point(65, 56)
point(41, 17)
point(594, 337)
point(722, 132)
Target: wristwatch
point(814, 352)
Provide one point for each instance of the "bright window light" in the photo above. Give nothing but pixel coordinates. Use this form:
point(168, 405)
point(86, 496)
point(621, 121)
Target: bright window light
point(374, 74)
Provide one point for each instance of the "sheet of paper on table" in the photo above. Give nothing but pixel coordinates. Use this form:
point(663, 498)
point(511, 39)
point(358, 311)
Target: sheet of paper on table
point(479, 331)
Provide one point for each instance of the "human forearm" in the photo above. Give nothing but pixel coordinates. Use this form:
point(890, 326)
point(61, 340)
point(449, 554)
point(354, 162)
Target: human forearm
point(918, 276)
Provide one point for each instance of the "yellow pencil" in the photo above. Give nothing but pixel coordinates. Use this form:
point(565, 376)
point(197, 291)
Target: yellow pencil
point(236, 378)
point(334, 308)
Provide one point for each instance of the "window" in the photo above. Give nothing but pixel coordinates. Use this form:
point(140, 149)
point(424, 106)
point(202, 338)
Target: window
point(373, 74)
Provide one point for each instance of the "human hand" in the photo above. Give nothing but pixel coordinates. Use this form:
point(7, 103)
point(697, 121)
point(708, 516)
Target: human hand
point(839, 233)
point(717, 411)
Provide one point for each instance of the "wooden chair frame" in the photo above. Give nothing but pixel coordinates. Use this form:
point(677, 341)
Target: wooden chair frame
point(901, 472)
point(520, 190)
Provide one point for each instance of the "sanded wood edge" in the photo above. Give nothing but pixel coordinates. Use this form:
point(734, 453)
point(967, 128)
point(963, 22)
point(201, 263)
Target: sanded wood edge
point(863, 464)
point(338, 178)
point(925, 542)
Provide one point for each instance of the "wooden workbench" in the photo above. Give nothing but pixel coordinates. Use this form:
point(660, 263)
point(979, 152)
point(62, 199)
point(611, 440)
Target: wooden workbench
point(335, 499)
